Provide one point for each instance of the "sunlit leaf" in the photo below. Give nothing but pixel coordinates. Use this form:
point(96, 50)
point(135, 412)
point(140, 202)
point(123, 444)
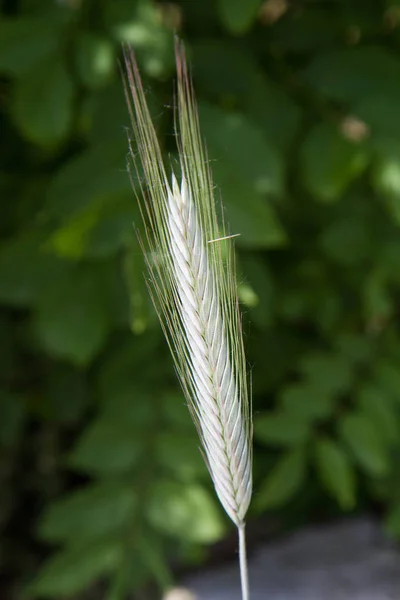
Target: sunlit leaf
point(73, 569)
point(238, 16)
point(90, 513)
point(330, 162)
point(107, 447)
point(248, 170)
point(386, 174)
point(336, 471)
point(188, 512)
point(283, 482)
point(95, 59)
point(360, 434)
point(382, 410)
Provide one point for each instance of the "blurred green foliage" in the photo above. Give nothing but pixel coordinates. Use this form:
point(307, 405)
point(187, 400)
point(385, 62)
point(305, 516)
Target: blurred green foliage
point(299, 104)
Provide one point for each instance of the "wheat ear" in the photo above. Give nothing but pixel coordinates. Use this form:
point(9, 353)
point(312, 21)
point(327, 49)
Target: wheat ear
point(193, 286)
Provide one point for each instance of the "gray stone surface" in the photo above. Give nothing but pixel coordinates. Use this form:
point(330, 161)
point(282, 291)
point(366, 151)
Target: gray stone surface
point(350, 560)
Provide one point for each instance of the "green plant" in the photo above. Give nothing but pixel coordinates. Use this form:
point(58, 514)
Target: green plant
point(299, 107)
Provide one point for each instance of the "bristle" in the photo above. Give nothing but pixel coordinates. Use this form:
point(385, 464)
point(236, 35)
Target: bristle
point(193, 286)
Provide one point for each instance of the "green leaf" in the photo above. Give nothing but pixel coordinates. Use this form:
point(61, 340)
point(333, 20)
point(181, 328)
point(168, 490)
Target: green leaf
point(70, 240)
point(386, 175)
point(89, 513)
point(357, 349)
point(392, 521)
point(180, 454)
point(41, 37)
point(389, 250)
point(247, 169)
point(347, 240)
point(336, 471)
point(26, 268)
point(114, 231)
point(153, 554)
point(95, 232)
point(304, 401)
point(72, 320)
point(392, 4)
point(43, 102)
point(392, 12)
point(75, 568)
point(257, 291)
point(352, 74)
point(233, 138)
point(176, 415)
point(142, 313)
point(283, 482)
point(309, 30)
point(248, 213)
point(365, 16)
point(187, 512)
point(379, 406)
point(378, 111)
point(329, 373)
point(236, 80)
point(360, 434)
point(330, 162)
point(95, 59)
point(95, 178)
point(144, 559)
point(109, 116)
point(281, 429)
point(107, 447)
point(67, 395)
point(123, 395)
point(115, 293)
point(387, 377)
point(238, 16)
point(377, 300)
point(141, 25)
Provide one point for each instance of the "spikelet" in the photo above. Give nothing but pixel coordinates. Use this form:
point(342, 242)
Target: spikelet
point(193, 286)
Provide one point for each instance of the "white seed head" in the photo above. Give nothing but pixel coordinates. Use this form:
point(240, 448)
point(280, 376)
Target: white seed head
point(193, 286)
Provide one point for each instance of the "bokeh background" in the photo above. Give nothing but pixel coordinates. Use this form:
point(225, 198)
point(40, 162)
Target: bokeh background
point(103, 488)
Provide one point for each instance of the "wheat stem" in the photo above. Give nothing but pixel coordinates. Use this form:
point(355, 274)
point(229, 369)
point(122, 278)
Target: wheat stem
point(244, 576)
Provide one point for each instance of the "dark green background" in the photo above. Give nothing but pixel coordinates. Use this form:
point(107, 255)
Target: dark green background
point(299, 102)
